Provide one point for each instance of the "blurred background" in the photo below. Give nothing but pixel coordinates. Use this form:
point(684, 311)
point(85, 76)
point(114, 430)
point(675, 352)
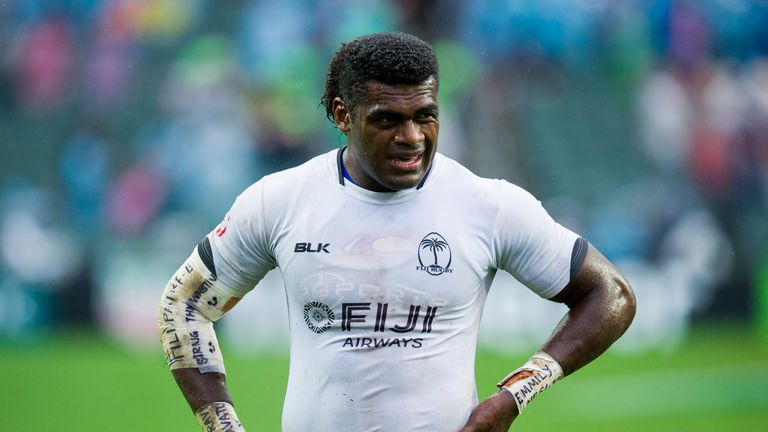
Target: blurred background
point(128, 127)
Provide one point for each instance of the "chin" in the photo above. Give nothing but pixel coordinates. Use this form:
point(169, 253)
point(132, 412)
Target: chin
point(402, 183)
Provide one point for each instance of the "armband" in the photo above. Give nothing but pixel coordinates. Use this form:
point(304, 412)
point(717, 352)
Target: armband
point(537, 374)
point(191, 301)
point(218, 417)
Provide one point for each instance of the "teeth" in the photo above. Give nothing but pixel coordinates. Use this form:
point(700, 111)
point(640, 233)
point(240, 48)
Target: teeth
point(400, 160)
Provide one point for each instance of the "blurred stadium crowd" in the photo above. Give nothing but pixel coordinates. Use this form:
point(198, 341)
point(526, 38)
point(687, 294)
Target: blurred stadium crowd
point(127, 128)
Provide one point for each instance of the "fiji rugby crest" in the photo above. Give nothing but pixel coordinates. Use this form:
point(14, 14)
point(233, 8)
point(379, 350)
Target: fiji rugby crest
point(434, 255)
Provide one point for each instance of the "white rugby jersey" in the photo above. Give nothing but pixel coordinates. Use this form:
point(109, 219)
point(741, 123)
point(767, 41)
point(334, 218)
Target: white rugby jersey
point(385, 291)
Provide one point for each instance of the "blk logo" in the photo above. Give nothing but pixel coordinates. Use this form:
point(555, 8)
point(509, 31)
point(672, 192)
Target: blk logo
point(307, 247)
point(434, 255)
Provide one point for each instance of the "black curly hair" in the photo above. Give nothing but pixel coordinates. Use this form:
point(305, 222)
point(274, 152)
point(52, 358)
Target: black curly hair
point(389, 58)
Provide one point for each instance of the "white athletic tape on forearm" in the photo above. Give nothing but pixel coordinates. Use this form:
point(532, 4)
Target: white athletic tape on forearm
point(538, 373)
point(218, 417)
point(192, 299)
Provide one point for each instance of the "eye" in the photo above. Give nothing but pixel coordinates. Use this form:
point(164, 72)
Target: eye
point(426, 117)
point(385, 120)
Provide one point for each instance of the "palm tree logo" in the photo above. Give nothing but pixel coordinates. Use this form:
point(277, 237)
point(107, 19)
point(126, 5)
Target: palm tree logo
point(435, 243)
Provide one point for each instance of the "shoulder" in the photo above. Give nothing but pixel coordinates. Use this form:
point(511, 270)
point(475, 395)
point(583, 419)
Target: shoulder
point(297, 181)
point(274, 193)
point(316, 171)
point(457, 178)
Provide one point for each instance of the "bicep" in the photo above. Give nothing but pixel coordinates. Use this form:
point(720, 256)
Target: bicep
point(595, 273)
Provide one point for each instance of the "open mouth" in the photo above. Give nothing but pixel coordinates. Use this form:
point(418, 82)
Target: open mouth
point(408, 163)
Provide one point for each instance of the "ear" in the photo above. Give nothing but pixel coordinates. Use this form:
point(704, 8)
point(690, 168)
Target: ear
point(341, 115)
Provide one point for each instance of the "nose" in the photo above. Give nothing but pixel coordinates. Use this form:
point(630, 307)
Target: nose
point(409, 133)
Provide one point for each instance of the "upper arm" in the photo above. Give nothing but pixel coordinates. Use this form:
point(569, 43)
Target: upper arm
point(597, 273)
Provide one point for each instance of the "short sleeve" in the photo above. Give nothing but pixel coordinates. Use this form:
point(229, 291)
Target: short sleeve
point(529, 244)
point(241, 252)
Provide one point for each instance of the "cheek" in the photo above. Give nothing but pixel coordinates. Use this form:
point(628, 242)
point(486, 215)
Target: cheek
point(430, 131)
point(377, 141)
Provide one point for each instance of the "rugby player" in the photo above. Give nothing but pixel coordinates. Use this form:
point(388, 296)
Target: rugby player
point(387, 249)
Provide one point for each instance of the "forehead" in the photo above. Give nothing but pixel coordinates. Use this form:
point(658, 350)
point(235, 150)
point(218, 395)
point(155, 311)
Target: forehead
point(401, 96)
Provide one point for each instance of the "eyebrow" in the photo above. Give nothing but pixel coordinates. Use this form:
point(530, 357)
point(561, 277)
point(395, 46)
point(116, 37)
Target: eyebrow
point(376, 112)
point(381, 112)
point(430, 107)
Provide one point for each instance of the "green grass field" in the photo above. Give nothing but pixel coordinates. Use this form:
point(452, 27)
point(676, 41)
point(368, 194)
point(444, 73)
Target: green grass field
point(718, 381)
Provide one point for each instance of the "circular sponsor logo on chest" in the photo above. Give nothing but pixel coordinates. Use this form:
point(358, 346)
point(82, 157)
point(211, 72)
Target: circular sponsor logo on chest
point(318, 316)
point(434, 255)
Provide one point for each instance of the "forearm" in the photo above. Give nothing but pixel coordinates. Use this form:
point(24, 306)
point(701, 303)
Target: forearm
point(200, 389)
point(191, 301)
point(593, 323)
point(601, 307)
point(207, 396)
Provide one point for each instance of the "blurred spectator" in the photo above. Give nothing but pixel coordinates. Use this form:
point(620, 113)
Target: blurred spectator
point(42, 58)
point(38, 256)
point(135, 200)
point(666, 113)
point(86, 171)
point(206, 151)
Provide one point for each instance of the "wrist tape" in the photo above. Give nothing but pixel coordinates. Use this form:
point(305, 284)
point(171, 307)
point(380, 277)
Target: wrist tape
point(218, 417)
point(191, 301)
point(524, 383)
